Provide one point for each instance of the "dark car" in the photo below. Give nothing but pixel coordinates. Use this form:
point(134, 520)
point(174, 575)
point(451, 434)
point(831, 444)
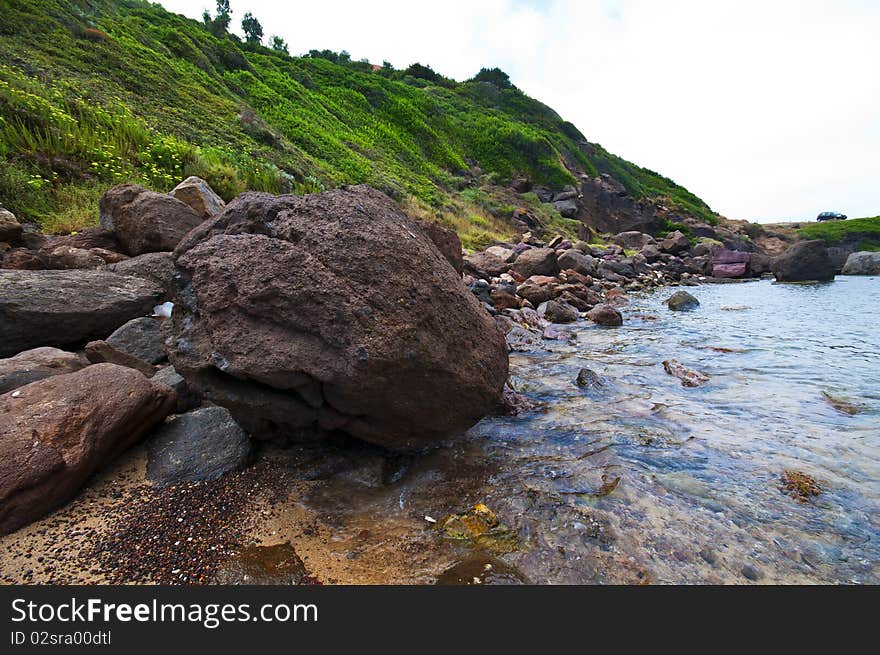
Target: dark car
point(831, 216)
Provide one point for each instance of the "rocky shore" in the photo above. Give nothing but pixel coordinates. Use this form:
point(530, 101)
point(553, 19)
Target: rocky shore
point(175, 378)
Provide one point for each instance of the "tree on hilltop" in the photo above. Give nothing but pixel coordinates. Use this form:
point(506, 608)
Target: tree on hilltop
point(253, 31)
point(219, 25)
point(279, 44)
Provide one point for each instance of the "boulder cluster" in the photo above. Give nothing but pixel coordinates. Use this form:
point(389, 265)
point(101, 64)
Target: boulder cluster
point(203, 327)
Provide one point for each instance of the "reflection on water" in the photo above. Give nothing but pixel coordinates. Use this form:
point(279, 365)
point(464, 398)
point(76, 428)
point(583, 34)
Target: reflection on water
point(636, 478)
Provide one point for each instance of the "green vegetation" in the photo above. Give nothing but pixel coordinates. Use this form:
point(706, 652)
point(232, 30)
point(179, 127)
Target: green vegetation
point(95, 92)
point(864, 233)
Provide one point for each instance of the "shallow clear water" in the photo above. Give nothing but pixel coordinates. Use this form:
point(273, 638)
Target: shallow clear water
point(699, 496)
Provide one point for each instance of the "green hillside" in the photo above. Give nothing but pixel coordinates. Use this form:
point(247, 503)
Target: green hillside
point(862, 233)
point(94, 92)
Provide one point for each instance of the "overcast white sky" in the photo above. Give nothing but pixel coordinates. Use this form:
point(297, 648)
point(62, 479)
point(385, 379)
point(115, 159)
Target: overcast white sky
point(766, 109)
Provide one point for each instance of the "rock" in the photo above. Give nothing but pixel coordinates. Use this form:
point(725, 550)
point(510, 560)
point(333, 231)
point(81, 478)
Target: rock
point(675, 243)
point(566, 208)
point(577, 261)
point(536, 261)
point(101, 352)
point(610, 209)
point(90, 238)
point(568, 193)
point(651, 252)
point(503, 253)
point(730, 270)
point(838, 256)
point(605, 315)
point(447, 243)
point(186, 399)
point(67, 257)
point(141, 337)
point(751, 573)
point(535, 293)
point(633, 240)
point(557, 311)
point(199, 195)
point(276, 565)
point(502, 300)
point(58, 308)
point(200, 445)
point(36, 364)
point(10, 228)
point(862, 263)
point(681, 301)
point(22, 259)
point(521, 184)
point(688, 377)
point(146, 221)
point(295, 337)
point(484, 264)
point(759, 264)
point(805, 261)
point(619, 268)
point(55, 433)
point(588, 378)
point(157, 267)
point(544, 194)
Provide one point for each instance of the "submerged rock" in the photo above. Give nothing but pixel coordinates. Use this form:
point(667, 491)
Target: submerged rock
point(482, 570)
point(59, 308)
point(681, 301)
point(201, 445)
point(278, 564)
point(841, 405)
point(296, 337)
point(688, 377)
point(56, 432)
point(479, 528)
point(588, 378)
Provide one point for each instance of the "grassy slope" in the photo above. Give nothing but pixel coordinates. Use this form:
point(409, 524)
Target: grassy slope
point(863, 233)
point(94, 92)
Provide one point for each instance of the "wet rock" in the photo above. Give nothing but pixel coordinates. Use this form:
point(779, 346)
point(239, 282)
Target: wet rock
point(141, 337)
point(799, 485)
point(186, 399)
point(751, 573)
point(681, 301)
point(841, 405)
point(605, 315)
point(199, 195)
point(708, 555)
point(557, 311)
point(101, 352)
point(479, 528)
point(158, 267)
point(577, 261)
point(536, 261)
point(201, 445)
point(295, 337)
point(862, 263)
point(36, 364)
point(146, 221)
point(264, 565)
point(56, 432)
point(58, 308)
point(805, 261)
point(10, 228)
point(588, 378)
point(688, 377)
point(482, 570)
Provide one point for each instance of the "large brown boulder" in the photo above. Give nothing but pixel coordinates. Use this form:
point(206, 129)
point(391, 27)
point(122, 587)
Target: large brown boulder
point(59, 308)
point(56, 432)
point(146, 221)
point(804, 261)
point(447, 243)
point(332, 311)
